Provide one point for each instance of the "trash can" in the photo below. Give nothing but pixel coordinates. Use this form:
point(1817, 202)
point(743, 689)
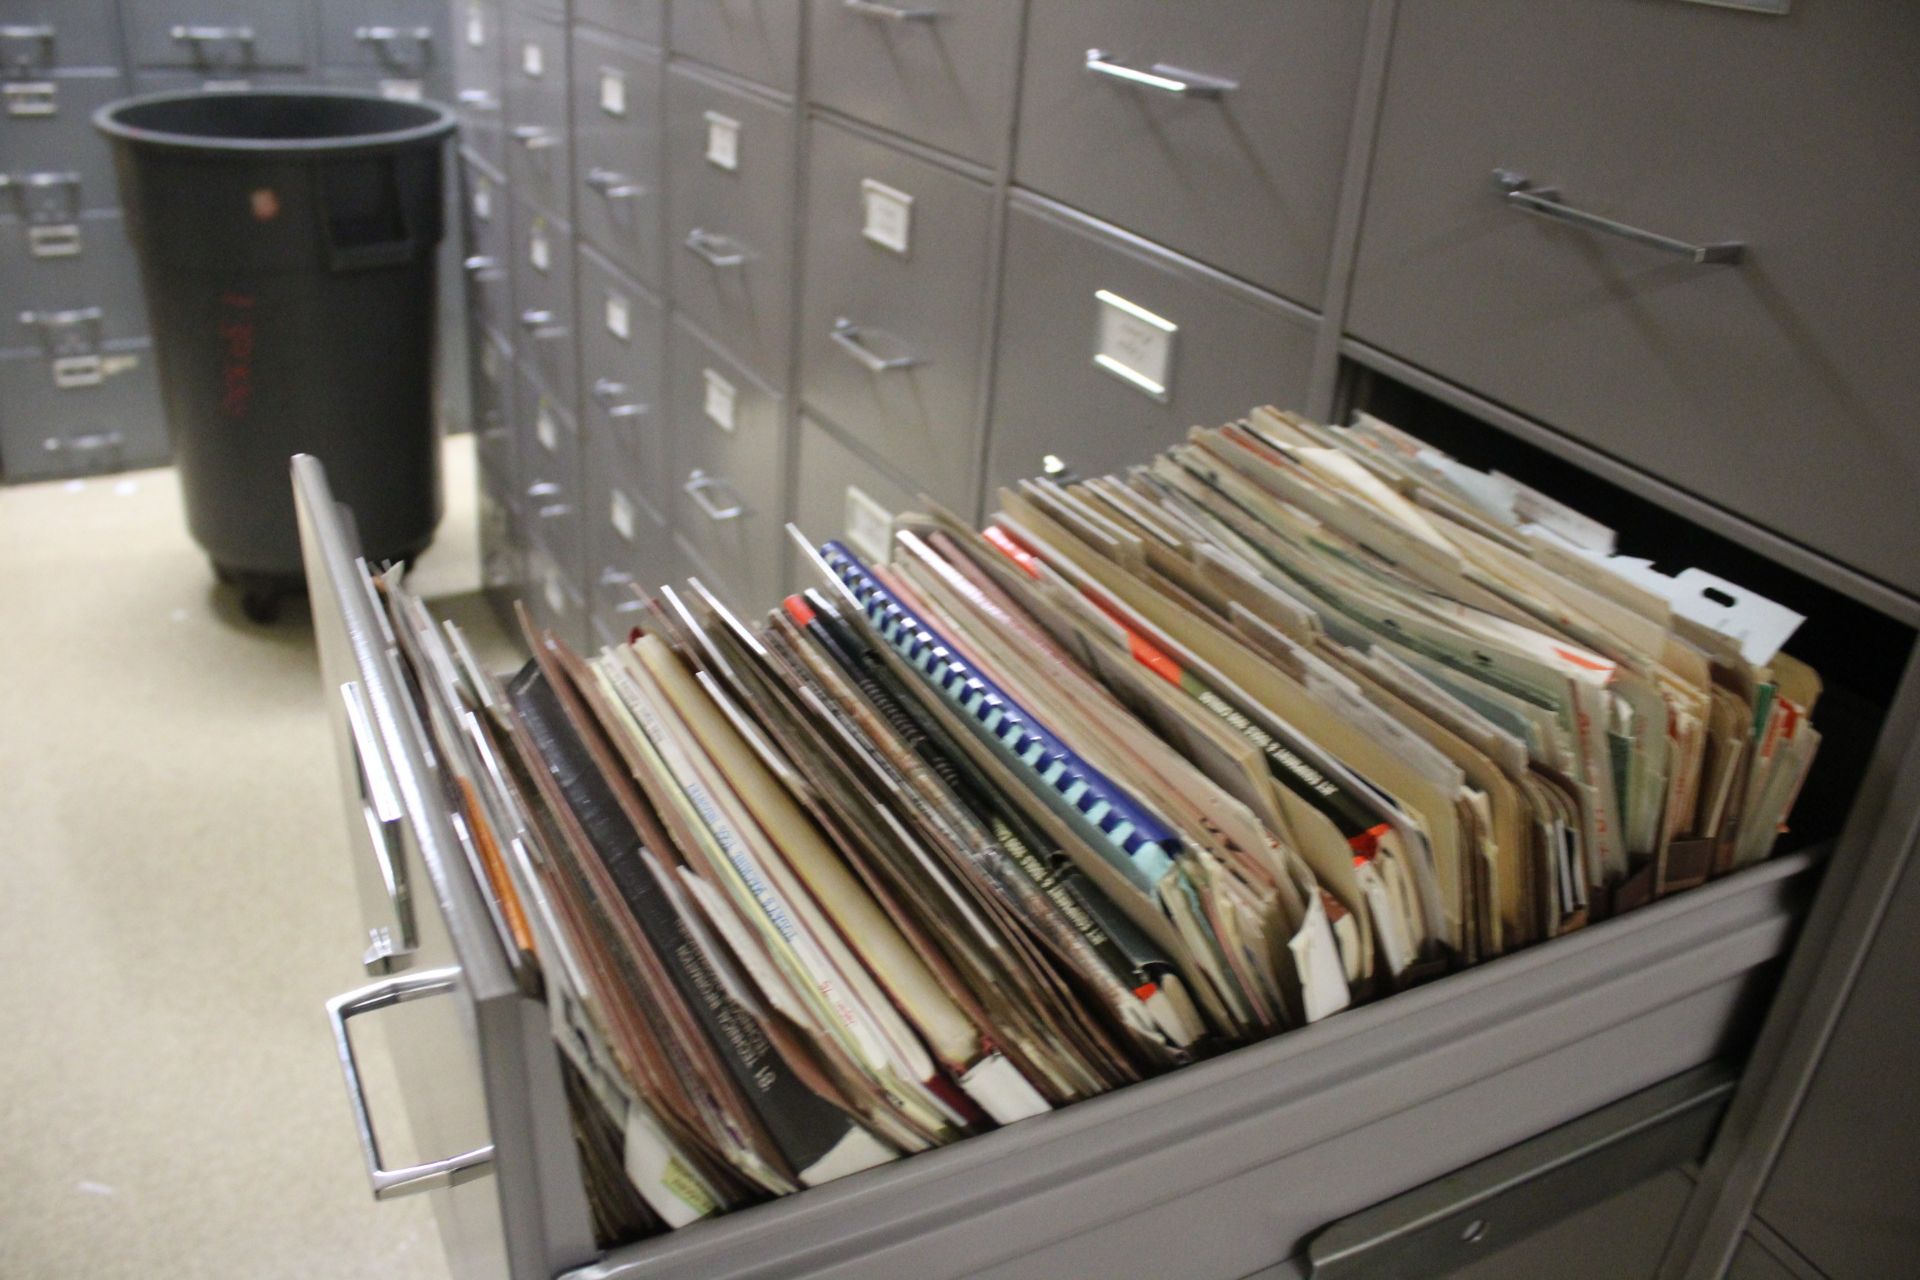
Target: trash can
point(287, 240)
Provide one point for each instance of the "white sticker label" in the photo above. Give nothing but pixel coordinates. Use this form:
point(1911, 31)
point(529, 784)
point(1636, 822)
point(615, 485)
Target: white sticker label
point(547, 427)
point(483, 200)
point(622, 514)
point(723, 141)
point(613, 92)
point(887, 215)
point(869, 526)
point(719, 403)
point(539, 253)
point(476, 26)
point(400, 90)
point(618, 322)
point(533, 59)
point(1134, 345)
point(556, 594)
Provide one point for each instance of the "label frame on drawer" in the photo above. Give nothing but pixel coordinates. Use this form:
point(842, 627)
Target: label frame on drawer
point(886, 216)
point(1126, 336)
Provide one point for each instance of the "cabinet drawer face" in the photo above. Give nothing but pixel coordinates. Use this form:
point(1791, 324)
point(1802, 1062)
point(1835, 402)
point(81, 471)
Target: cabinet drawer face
point(543, 295)
point(1109, 350)
point(490, 388)
point(1773, 385)
point(486, 215)
point(479, 78)
point(840, 494)
point(895, 294)
point(627, 545)
point(94, 269)
point(730, 169)
point(1218, 128)
point(619, 199)
point(503, 544)
point(220, 35)
point(553, 595)
point(945, 80)
point(406, 38)
point(622, 350)
point(48, 430)
point(45, 35)
point(635, 19)
point(536, 111)
point(757, 39)
point(46, 126)
point(550, 477)
point(728, 444)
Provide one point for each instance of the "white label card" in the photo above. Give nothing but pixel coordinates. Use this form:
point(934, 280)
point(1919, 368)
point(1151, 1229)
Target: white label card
point(622, 514)
point(476, 26)
point(723, 141)
point(613, 92)
point(533, 59)
point(869, 525)
point(619, 322)
point(483, 200)
point(547, 427)
point(401, 90)
point(887, 215)
point(1134, 345)
point(719, 400)
point(539, 253)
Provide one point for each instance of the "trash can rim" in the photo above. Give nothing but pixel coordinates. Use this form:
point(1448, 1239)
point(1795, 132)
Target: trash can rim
point(441, 124)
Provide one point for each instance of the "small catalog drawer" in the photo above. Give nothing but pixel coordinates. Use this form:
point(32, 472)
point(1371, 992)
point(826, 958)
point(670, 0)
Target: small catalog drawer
point(554, 595)
point(895, 301)
point(1110, 348)
point(216, 35)
point(635, 19)
point(728, 442)
point(1686, 271)
point(622, 348)
point(543, 293)
point(628, 545)
point(486, 215)
point(38, 36)
point(503, 539)
point(550, 479)
point(619, 199)
point(46, 127)
point(68, 418)
point(93, 271)
point(757, 39)
point(1218, 128)
point(942, 75)
point(730, 168)
point(479, 78)
point(398, 38)
point(536, 111)
point(839, 494)
point(490, 382)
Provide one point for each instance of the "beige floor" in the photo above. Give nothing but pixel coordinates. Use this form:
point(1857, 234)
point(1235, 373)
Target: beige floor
point(176, 907)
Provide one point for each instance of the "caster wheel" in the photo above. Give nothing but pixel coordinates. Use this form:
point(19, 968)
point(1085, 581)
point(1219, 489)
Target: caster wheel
point(262, 607)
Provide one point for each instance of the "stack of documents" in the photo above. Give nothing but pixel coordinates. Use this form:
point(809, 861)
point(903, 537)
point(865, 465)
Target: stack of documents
point(1154, 765)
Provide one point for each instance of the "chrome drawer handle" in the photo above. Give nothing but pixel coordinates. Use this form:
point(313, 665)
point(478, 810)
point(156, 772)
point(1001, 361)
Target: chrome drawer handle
point(483, 267)
point(1547, 202)
point(1161, 78)
point(392, 35)
point(847, 336)
point(388, 1183)
point(890, 12)
point(542, 324)
point(534, 138)
point(479, 100)
point(696, 488)
point(719, 251)
point(614, 186)
point(611, 395)
point(98, 442)
point(211, 35)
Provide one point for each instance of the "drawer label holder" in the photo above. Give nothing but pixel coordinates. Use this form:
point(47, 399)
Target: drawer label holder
point(1134, 345)
point(886, 215)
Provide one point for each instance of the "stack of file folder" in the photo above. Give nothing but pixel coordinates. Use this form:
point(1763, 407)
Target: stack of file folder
point(1154, 765)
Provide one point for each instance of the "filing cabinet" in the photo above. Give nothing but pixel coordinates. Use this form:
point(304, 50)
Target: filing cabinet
point(895, 290)
point(486, 215)
point(226, 36)
point(622, 349)
point(479, 78)
point(1218, 128)
point(1109, 349)
point(47, 127)
point(1558, 242)
point(618, 111)
point(494, 425)
point(628, 545)
point(758, 40)
point(840, 493)
point(542, 278)
point(643, 20)
point(39, 36)
point(943, 75)
point(94, 270)
point(73, 415)
point(549, 476)
point(536, 111)
point(728, 434)
point(730, 173)
point(405, 39)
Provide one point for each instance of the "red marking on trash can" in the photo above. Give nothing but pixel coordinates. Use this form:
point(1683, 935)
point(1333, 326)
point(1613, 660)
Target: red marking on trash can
point(236, 352)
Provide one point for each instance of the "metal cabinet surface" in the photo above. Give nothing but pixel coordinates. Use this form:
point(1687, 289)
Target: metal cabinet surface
point(839, 493)
point(480, 78)
point(619, 199)
point(758, 40)
point(217, 35)
point(637, 19)
point(38, 36)
point(628, 545)
point(493, 422)
point(486, 218)
point(1557, 239)
point(81, 414)
point(537, 93)
point(542, 278)
point(100, 275)
point(47, 127)
point(622, 352)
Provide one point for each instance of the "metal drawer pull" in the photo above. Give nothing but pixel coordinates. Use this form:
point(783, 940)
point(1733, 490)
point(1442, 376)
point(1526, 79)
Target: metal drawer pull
point(535, 138)
point(98, 442)
point(391, 35)
point(610, 393)
point(696, 488)
point(1161, 78)
point(719, 251)
point(847, 336)
point(388, 1183)
point(483, 267)
point(1547, 202)
point(614, 186)
point(542, 324)
point(479, 100)
point(212, 35)
point(36, 98)
point(890, 12)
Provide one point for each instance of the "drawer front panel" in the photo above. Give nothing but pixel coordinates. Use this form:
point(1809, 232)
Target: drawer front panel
point(728, 443)
point(112, 424)
point(1231, 151)
point(552, 593)
point(635, 19)
point(543, 331)
point(622, 351)
point(1767, 385)
point(38, 36)
point(490, 388)
point(627, 546)
point(46, 126)
point(101, 276)
point(479, 78)
point(549, 455)
point(217, 81)
point(619, 198)
point(1109, 349)
point(896, 285)
point(401, 38)
point(730, 163)
point(216, 35)
point(946, 80)
point(487, 216)
point(757, 39)
point(536, 111)
point(841, 494)
point(503, 540)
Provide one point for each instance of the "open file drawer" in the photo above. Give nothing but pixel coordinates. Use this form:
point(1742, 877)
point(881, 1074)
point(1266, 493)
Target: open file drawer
point(1217, 1170)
